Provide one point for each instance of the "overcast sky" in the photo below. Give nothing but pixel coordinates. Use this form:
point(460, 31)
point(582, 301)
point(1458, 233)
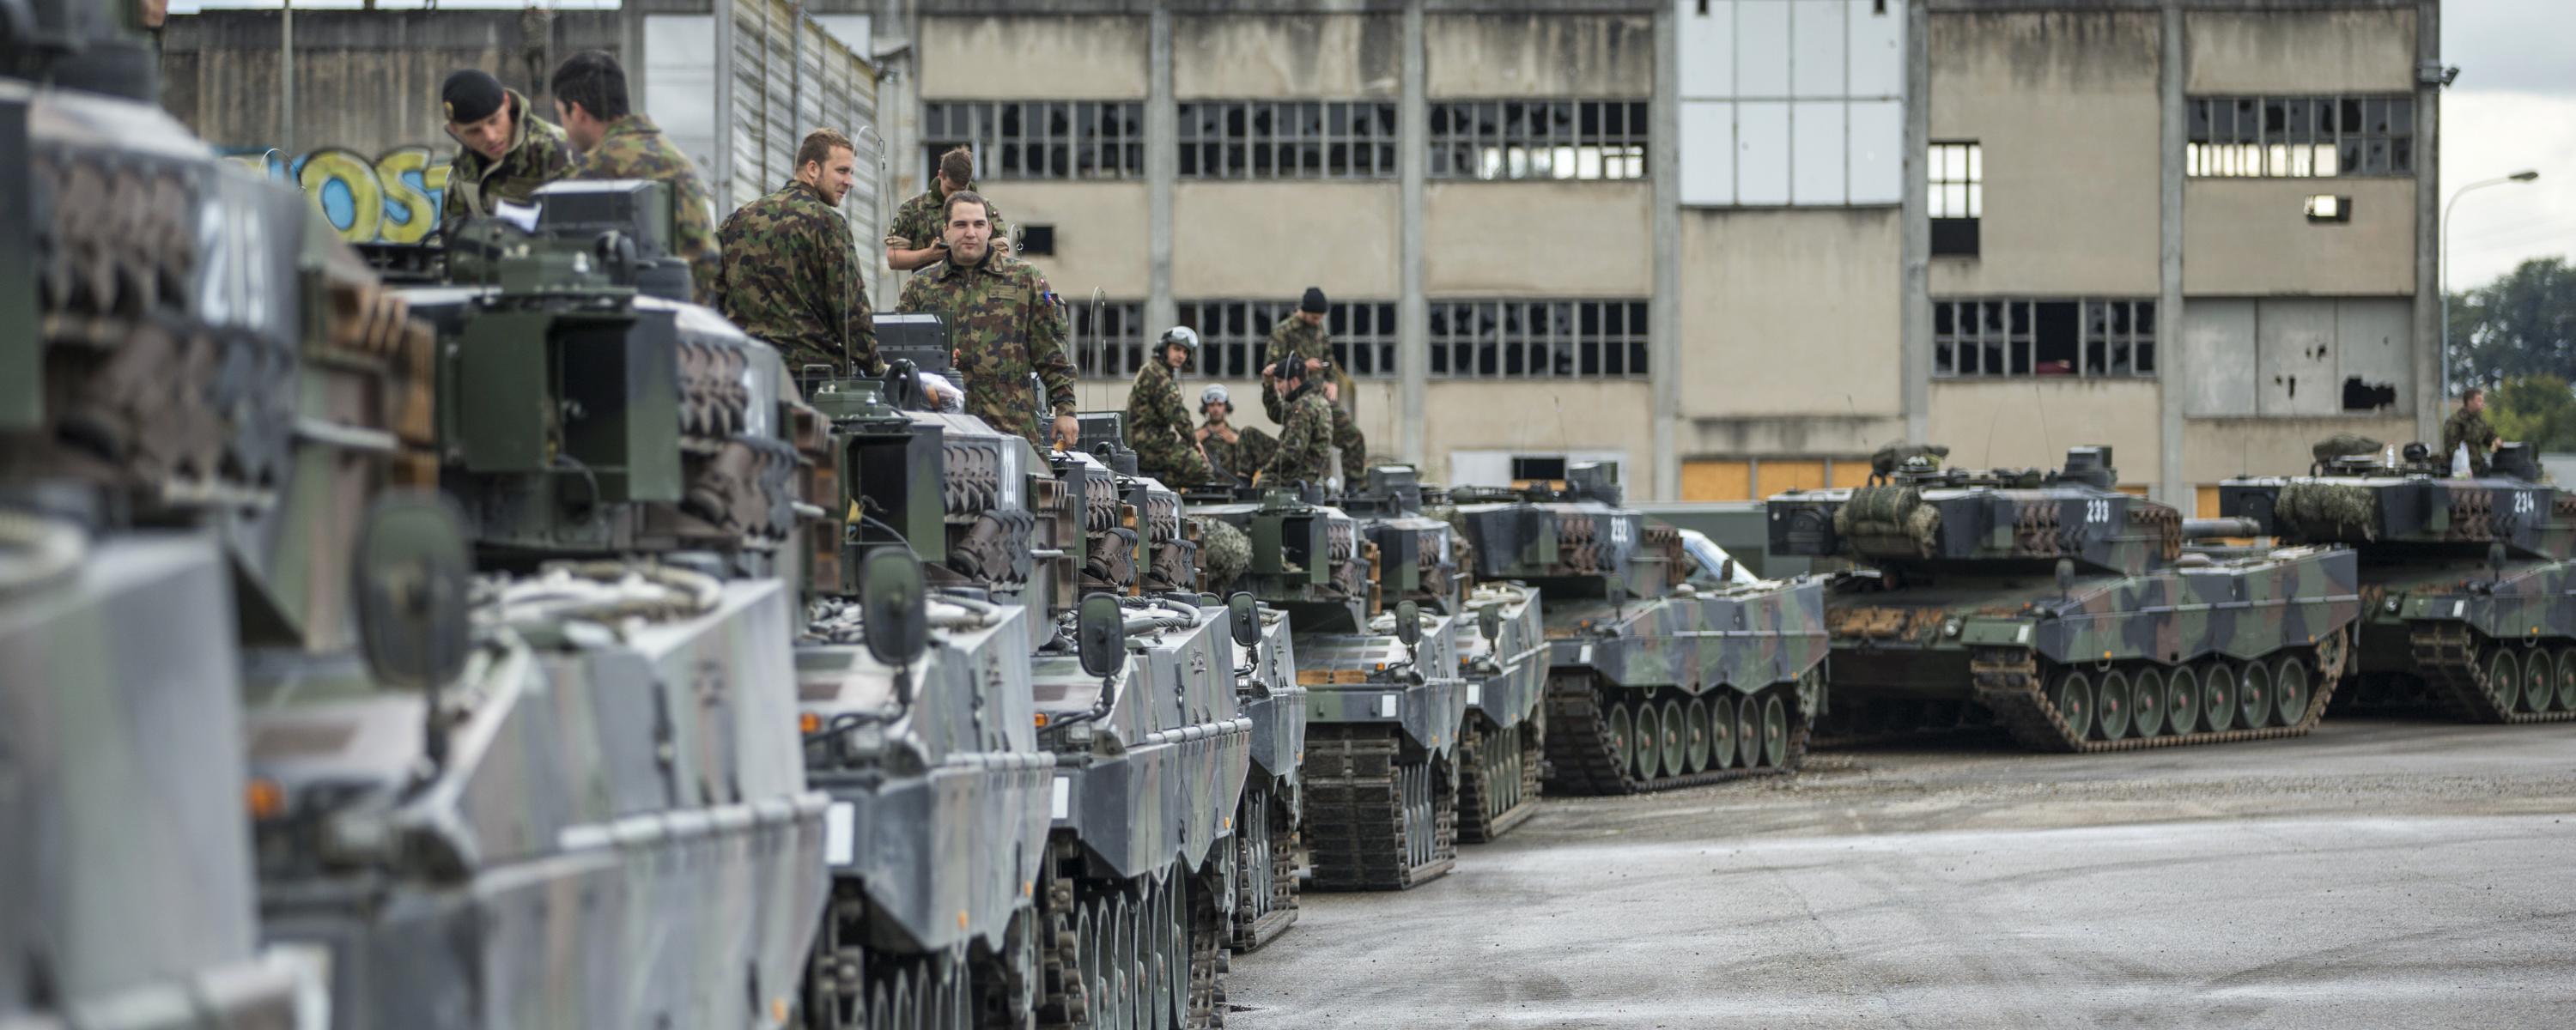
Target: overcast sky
point(2513, 108)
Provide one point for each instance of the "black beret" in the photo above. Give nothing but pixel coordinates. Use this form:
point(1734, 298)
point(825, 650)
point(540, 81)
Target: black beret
point(471, 95)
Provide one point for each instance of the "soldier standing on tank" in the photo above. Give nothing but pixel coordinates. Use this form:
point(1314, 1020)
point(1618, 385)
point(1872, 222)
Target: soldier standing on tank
point(617, 142)
point(1004, 322)
point(791, 271)
point(1305, 452)
point(1158, 422)
point(505, 153)
point(1301, 335)
point(914, 240)
point(1235, 453)
point(2469, 426)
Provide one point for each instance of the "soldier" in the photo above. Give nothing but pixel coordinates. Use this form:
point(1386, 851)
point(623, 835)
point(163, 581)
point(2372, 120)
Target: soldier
point(914, 240)
point(1004, 322)
point(505, 153)
point(1305, 445)
point(619, 143)
point(791, 271)
point(2469, 426)
point(1158, 423)
point(1301, 335)
point(1234, 453)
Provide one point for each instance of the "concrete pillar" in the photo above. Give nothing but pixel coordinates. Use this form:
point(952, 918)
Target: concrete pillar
point(1162, 166)
point(1914, 313)
point(2173, 485)
point(1664, 312)
point(1412, 311)
point(2429, 400)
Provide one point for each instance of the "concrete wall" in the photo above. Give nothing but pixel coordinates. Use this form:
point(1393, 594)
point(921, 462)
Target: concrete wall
point(1307, 56)
point(1545, 417)
point(1100, 232)
point(1551, 239)
point(1026, 58)
point(1263, 239)
point(2300, 52)
point(1555, 57)
point(1790, 314)
point(2251, 237)
point(2215, 449)
point(2029, 423)
point(2066, 107)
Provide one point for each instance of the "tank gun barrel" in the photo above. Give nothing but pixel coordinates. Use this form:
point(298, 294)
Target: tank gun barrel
point(2204, 529)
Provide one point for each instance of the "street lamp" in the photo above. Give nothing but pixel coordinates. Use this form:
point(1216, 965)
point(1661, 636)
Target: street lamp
point(2521, 176)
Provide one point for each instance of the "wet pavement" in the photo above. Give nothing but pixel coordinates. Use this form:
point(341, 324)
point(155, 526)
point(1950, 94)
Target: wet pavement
point(2374, 873)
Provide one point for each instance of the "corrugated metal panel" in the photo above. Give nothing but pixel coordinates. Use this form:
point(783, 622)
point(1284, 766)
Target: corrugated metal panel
point(791, 76)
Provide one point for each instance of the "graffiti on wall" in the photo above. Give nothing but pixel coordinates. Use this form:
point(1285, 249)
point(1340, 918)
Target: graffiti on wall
point(391, 198)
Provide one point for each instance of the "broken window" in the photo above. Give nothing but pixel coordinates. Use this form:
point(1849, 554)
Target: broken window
point(1234, 335)
point(1995, 337)
point(1957, 198)
point(1522, 339)
point(1538, 139)
point(2300, 137)
point(1038, 139)
point(1114, 344)
point(1287, 139)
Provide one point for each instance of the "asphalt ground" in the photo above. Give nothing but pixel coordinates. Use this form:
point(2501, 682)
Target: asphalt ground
point(2374, 873)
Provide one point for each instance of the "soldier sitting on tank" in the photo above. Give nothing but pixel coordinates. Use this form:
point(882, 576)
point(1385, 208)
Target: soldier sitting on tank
point(1158, 423)
point(505, 150)
point(2468, 428)
point(1302, 335)
point(1234, 453)
point(1305, 452)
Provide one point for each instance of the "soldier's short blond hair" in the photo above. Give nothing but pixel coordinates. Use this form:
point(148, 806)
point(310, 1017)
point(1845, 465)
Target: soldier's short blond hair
point(819, 145)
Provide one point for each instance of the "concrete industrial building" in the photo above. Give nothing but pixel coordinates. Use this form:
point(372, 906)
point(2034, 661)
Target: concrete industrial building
point(1737, 244)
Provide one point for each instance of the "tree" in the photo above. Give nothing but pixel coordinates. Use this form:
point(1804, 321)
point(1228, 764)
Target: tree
point(2522, 324)
point(2537, 409)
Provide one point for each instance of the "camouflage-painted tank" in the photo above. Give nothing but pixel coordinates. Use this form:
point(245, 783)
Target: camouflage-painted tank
point(1383, 696)
point(594, 812)
point(937, 829)
point(2072, 612)
point(2468, 595)
point(183, 479)
point(1653, 681)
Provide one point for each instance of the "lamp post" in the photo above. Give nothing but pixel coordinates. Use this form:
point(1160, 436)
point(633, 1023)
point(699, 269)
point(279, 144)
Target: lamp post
point(2522, 176)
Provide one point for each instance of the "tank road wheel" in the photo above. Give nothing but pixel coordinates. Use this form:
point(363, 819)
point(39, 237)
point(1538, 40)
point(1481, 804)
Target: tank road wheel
point(2218, 695)
point(1623, 736)
point(2072, 696)
point(1695, 736)
point(1676, 739)
point(905, 1003)
point(1094, 948)
point(1721, 732)
point(2290, 688)
point(1748, 731)
point(2111, 705)
point(2182, 699)
point(2563, 676)
point(1775, 732)
point(2254, 695)
point(2504, 678)
point(2537, 671)
point(2147, 701)
point(1649, 730)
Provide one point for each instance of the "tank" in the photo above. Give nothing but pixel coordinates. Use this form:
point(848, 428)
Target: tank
point(2079, 617)
point(2468, 596)
point(1653, 681)
point(1384, 699)
point(177, 344)
point(579, 800)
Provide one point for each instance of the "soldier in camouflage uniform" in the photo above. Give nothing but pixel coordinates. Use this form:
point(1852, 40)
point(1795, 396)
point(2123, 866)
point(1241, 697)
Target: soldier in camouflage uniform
point(506, 150)
point(791, 270)
point(914, 240)
point(1235, 453)
point(1158, 422)
point(1004, 322)
point(2469, 426)
point(618, 143)
point(1305, 445)
point(1301, 335)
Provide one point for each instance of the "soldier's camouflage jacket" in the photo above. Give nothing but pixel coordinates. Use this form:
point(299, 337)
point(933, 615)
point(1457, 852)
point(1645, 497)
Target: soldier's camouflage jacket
point(1158, 427)
point(1305, 446)
point(791, 277)
point(538, 155)
point(918, 221)
point(2471, 428)
point(634, 148)
point(1292, 336)
point(1004, 323)
point(1250, 450)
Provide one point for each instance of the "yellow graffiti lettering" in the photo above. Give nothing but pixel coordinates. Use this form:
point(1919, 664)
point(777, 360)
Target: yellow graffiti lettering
point(366, 208)
point(409, 214)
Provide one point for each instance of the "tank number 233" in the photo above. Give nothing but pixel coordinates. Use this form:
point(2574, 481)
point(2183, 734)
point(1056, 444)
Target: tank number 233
point(2097, 510)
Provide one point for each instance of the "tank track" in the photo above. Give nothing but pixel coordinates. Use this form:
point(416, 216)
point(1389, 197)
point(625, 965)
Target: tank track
point(1210, 961)
point(1062, 1002)
point(1484, 759)
point(1584, 758)
point(1358, 812)
point(2008, 682)
point(2452, 661)
point(1265, 873)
